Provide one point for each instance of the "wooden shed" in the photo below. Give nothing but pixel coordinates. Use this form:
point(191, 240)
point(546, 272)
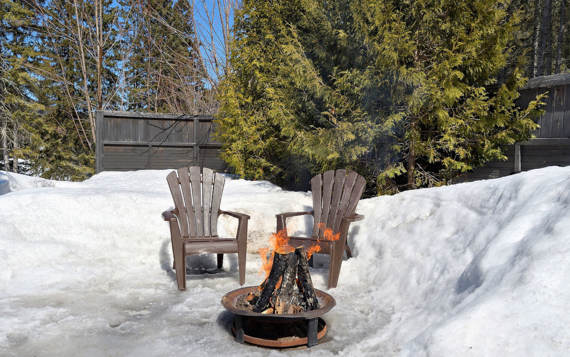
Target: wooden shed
point(551, 145)
point(135, 141)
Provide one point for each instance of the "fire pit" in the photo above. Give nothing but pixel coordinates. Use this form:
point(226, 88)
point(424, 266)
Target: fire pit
point(277, 330)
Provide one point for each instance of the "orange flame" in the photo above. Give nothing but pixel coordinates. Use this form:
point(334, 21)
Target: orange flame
point(328, 233)
point(280, 243)
point(266, 262)
point(315, 248)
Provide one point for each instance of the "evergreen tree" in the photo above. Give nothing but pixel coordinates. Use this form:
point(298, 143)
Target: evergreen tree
point(17, 103)
point(73, 81)
point(295, 101)
point(404, 90)
point(448, 113)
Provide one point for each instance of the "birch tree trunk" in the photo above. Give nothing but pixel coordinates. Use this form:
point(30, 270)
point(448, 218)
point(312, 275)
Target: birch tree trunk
point(4, 134)
point(79, 36)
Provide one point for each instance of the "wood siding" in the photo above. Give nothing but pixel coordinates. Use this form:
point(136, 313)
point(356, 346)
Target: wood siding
point(136, 141)
point(551, 145)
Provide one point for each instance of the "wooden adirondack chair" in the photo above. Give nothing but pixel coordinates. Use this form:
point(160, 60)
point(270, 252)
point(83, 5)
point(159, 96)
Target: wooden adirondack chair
point(335, 196)
point(193, 223)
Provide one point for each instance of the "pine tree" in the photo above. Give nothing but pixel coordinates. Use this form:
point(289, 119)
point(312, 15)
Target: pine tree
point(73, 81)
point(296, 101)
point(448, 113)
point(17, 105)
point(405, 91)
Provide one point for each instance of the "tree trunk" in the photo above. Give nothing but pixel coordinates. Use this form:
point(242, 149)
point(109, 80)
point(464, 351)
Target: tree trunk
point(535, 36)
point(14, 148)
point(80, 45)
point(4, 134)
point(561, 33)
point(99, 34)
point(545, 42)
point(412, 159)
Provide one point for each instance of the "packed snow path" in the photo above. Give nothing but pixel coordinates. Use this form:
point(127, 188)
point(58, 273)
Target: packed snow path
point(473, 269)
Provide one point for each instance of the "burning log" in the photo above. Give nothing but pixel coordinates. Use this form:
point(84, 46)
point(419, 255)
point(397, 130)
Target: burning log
point(283, 264)
point(288, 289)
point(304, 282)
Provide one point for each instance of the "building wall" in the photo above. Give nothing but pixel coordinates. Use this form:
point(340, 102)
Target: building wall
point(551, 145)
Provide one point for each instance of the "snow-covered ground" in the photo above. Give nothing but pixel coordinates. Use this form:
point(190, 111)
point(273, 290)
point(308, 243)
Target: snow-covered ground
point(476, 269)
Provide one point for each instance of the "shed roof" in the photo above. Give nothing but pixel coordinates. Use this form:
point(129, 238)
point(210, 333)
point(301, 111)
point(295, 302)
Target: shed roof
point(553, 80)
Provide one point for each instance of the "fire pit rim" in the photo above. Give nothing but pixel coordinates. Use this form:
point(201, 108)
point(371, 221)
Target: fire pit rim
point(326, 301)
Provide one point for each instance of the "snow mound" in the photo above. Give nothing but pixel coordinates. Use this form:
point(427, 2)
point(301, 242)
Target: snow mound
point(14, 182)
point(472, 269)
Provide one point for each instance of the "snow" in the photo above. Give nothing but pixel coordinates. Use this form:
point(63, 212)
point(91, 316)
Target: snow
point(475, 269)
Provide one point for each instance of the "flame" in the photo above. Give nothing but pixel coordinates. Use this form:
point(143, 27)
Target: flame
point(315, 248)
point(328, 233)
point(280, 243)
point(266, 262)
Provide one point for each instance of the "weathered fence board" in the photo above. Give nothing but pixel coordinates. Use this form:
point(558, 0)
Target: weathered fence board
point(134, 141)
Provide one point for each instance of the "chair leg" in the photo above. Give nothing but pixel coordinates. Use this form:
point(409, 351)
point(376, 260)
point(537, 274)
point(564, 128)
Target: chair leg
point(335, 263)
point(180, 266)
point(241, 266)
point(348, 251)
point(242, 249)
point(220, 261)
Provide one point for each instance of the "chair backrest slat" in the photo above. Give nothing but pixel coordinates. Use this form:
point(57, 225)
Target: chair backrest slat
point(339, 177)
point(174, 186)
point(335, 196)
point(356, 194)
point(328, 181)
point(189, 208)
point(317, 191)
point(216, 199)
point(197, 199)
point(207, 188)
point(349, 182)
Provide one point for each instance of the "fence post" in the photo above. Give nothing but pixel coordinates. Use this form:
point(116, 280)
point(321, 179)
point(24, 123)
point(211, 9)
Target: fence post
point(517, 157)
point(98, 141)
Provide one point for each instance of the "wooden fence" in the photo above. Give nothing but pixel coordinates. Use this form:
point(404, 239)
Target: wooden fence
point(551, 146)
point(135, 141)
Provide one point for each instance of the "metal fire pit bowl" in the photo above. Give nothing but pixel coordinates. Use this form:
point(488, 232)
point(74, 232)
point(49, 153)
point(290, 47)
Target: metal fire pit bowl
point(315, 326)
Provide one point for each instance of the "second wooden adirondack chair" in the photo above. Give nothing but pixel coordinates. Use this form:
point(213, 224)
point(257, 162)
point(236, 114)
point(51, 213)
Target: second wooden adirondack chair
point(335, 196)
point(193, 223)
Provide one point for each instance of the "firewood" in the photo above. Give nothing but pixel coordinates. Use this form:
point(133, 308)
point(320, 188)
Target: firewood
point(277, 270)
point(309, 299)
point(285, 295)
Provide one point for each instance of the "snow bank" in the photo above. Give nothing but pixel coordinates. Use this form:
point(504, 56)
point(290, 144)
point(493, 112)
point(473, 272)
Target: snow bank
point(14, 182)
point(472, 269)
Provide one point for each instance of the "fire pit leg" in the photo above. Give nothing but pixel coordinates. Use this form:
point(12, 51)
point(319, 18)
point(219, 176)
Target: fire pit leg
point(238, 326)
point(312, 326)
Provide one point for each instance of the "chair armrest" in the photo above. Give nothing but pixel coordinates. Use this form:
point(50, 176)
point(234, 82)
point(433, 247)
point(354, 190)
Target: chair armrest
point(355, 217)
point(169, 214)
point(282, 218)
point(235, 214)
point(241, 234)
point(293, 214)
